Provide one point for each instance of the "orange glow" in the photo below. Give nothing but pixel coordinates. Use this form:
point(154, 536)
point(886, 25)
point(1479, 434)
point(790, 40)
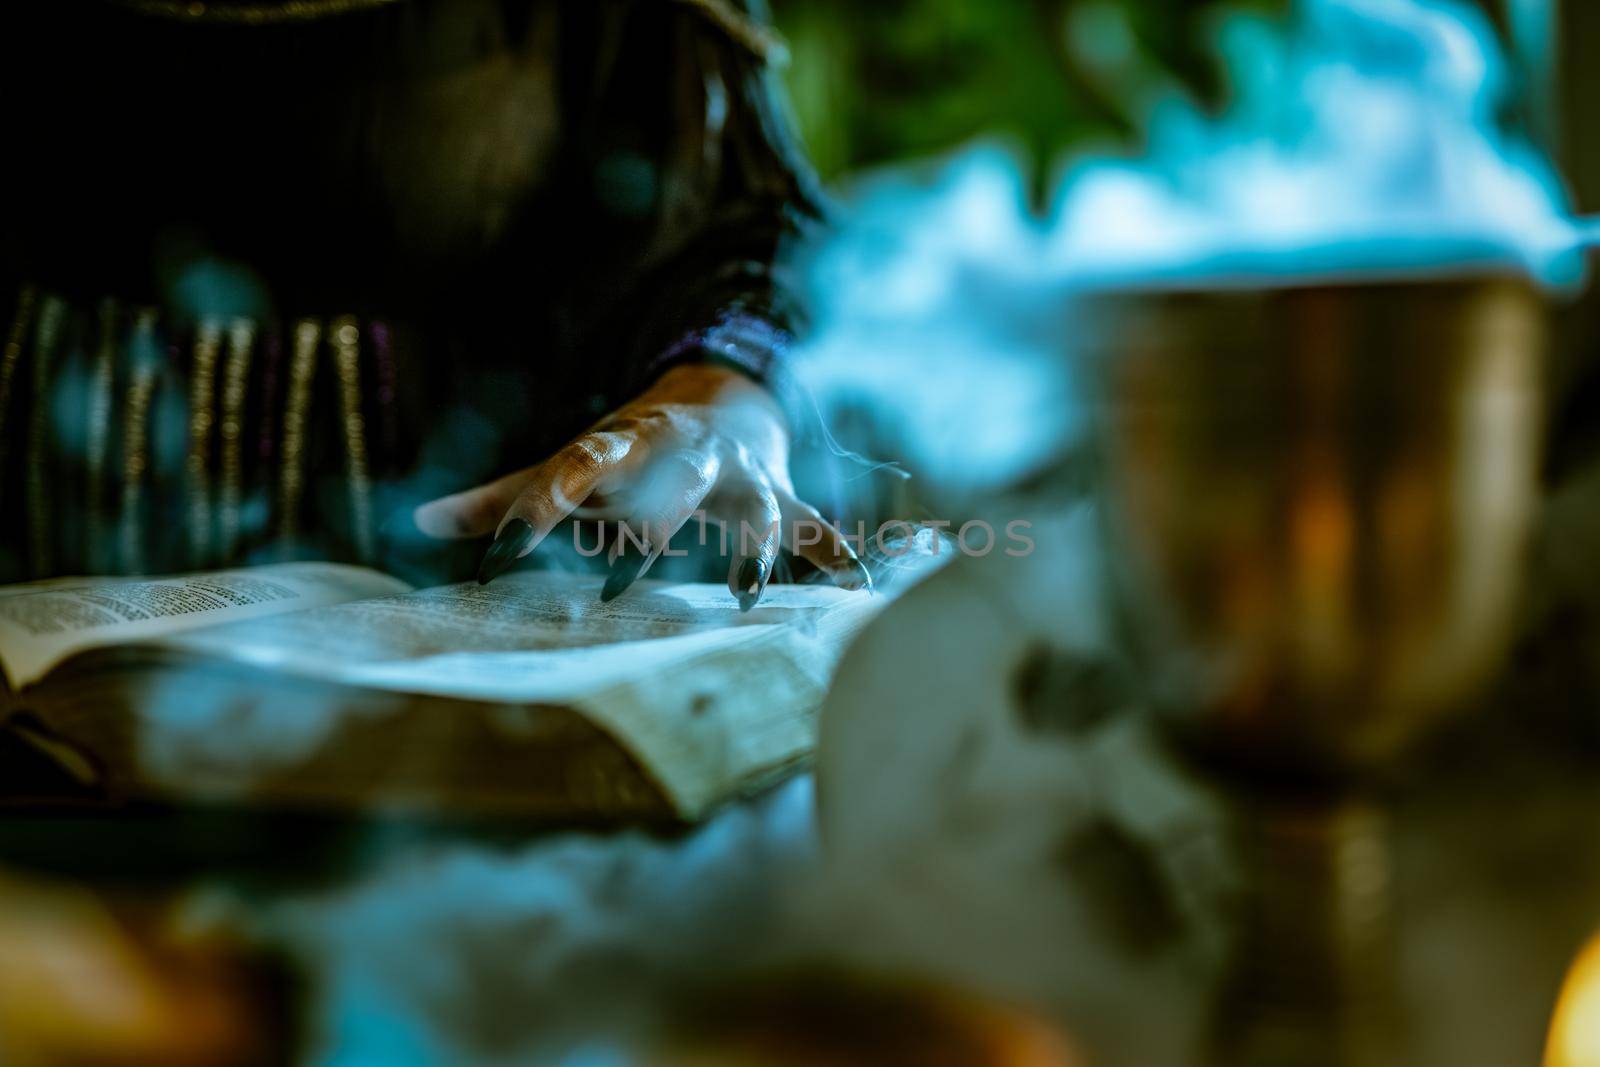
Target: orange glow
point(1575, 1029)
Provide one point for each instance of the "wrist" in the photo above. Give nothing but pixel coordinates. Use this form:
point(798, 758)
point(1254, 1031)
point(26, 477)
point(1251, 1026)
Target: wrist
point(711, 383)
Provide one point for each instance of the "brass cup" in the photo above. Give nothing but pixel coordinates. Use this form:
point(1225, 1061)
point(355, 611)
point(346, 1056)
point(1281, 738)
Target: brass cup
point(1317, 498)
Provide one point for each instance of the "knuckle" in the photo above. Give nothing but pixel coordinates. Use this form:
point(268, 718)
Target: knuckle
point(587, 452)
point(588, 455)
point(643, 424)
point(745, 458)
point(690, 469)
point(696, 460)
point(536, 500)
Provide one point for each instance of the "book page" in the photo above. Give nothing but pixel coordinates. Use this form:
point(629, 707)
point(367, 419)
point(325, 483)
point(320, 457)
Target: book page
point(701, 693)
point(528, 637)
point(43, 623)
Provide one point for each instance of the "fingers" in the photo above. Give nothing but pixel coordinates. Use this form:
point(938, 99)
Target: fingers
point(472, 513)
point(753, 518)
point(670, 493)
point(629, 467)
point(808, 535)
point(523, 508)
point(532, 494)
point(565, 481)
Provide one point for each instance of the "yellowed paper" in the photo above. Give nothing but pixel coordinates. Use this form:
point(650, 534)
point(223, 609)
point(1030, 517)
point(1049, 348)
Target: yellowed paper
point(702, 694)
point(43, 623)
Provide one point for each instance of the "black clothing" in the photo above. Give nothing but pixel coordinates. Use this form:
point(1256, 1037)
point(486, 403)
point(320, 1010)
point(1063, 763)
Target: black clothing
point(502, 217)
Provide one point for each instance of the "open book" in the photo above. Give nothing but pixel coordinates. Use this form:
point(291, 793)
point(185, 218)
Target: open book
point(324, 684)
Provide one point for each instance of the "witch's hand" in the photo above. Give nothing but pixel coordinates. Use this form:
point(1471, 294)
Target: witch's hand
point(701, 439)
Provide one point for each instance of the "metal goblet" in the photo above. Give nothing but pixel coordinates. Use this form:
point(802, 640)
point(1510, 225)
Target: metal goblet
point(1317, 498)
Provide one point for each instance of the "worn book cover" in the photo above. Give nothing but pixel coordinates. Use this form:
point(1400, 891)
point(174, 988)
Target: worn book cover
point(318, 684)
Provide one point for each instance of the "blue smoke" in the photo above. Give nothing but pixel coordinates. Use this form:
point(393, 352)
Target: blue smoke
point(1364, 138)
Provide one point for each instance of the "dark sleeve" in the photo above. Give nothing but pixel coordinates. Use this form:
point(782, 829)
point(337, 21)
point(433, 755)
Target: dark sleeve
point(681, 140)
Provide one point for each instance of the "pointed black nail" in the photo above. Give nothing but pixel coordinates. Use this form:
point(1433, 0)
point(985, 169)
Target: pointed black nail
point(752, 580)
point(508, 547)
point(623, 574)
